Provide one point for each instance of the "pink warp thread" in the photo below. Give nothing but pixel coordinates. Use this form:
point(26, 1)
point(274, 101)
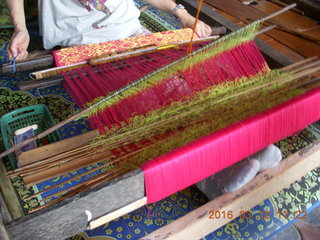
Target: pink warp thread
point(195, 161)
point(243, 61)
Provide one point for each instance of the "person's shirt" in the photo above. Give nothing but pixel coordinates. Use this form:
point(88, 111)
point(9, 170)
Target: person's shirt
point(69, 22)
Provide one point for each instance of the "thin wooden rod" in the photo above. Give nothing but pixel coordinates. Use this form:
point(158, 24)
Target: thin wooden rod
point(75, 191)
point(112, 171)
point(51, 160)
point(266, 29)
point(104, 165)
point(300, 63)
point(117, 213)
point(110, 57)
point(91, 158)
point(47, 163)
point(141, 147)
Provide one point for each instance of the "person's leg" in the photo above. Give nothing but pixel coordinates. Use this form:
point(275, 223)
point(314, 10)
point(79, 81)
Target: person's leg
point(268, 157)
point(236, 176)
point(241, 175)
point(229, 179)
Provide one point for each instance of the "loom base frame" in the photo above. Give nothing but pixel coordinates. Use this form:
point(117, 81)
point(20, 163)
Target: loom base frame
point(68, 218)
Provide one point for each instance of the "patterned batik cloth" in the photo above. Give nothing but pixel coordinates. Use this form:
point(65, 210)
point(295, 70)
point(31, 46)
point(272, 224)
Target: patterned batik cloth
point(72, 55)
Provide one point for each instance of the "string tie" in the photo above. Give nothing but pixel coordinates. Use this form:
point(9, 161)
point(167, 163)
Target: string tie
point(189, 51)
point(14, 64)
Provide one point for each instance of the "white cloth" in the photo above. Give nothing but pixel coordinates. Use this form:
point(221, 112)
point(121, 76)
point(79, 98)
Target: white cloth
point(68, 22)
point(236, 176)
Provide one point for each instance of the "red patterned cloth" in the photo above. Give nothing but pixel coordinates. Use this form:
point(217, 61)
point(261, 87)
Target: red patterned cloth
point(71, 55)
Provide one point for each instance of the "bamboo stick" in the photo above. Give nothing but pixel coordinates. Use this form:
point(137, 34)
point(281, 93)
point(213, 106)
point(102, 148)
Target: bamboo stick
point(104, 165)
point(90, 180)
point(299, 64)
point(141, 147)
point(52, 160)
point(75, 191)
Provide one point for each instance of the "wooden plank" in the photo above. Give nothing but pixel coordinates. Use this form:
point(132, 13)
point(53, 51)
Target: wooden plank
point(303, 47)
point(197, 224)
point(241, 12)
point(9, 194)
point(289, 53)
point(55, 148)
point(282, 4)
point(309, 8)
point(69, 217)
point(209, 15)
point(117, 213)
point(236, 8)
point(290, 21)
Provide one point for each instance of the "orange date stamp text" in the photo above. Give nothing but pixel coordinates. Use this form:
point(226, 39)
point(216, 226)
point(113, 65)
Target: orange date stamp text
point(258, 214)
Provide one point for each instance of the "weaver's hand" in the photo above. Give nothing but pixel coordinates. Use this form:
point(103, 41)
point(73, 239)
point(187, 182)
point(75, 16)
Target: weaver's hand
point(187, 21)
point(19, 44)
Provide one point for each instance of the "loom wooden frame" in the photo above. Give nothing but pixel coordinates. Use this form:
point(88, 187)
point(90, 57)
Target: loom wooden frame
point(68, 217)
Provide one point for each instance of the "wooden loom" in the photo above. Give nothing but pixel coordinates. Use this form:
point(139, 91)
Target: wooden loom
point(52, 148)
